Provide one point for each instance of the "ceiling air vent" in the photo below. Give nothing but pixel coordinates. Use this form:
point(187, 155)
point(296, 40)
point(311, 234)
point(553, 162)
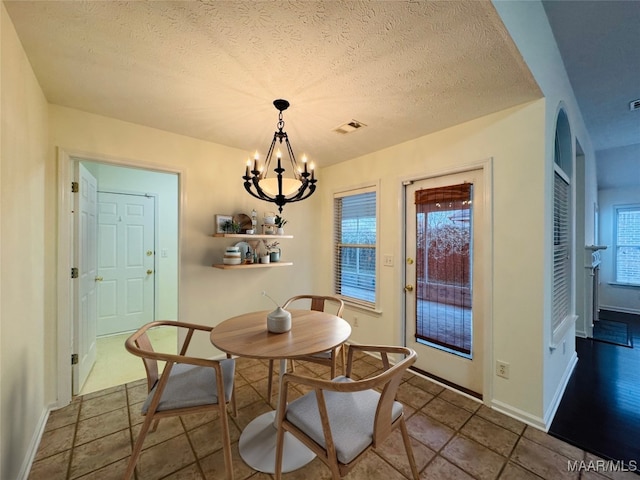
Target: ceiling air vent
point(349, 127)
point(635, 105)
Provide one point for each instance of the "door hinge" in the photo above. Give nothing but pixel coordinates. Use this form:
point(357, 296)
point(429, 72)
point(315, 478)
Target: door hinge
point(74, 359)
point(74, 272)
point(75, 188)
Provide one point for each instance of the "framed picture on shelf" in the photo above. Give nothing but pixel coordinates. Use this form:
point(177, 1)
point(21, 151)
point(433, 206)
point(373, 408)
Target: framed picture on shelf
point(222, 221)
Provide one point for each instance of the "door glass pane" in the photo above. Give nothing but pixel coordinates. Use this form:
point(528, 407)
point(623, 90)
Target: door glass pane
point(443, 267)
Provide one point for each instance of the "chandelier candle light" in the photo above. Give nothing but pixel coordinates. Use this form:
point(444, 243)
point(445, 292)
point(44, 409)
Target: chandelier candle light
point(280, 190)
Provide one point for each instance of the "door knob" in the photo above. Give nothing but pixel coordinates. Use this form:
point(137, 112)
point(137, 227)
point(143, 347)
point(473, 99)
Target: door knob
point(408, 288)
point(149, 272)
point(98, 279)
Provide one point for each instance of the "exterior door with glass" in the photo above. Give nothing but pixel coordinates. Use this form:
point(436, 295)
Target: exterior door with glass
point(444, 294)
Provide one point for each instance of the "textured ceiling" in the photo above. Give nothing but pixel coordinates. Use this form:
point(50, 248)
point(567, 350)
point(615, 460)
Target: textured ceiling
point(211, 69)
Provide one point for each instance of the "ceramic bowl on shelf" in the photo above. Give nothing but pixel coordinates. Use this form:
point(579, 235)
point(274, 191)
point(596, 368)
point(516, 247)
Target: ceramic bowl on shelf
point(232, 260)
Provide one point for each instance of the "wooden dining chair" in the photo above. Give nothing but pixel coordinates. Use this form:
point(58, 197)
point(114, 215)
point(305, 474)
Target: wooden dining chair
point(320, 303)
point(186, 385)
point(341, 419)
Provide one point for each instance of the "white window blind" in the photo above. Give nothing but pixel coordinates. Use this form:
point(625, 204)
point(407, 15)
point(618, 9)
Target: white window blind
point(355, 241)
point(561, 250)
point(627, 249)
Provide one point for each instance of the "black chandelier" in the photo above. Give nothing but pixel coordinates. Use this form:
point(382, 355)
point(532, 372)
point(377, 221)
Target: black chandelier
point(280, 190)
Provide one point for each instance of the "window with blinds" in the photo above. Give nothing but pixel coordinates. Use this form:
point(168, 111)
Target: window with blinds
point(627, 248)
point(561, 249)
point(355, 241)
point(563, 314)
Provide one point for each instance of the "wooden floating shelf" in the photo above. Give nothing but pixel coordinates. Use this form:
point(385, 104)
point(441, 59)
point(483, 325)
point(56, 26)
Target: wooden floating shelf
point(249, 237)
point(252, 265)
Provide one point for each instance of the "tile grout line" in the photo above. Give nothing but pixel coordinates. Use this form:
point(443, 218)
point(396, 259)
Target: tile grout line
point(193, 450)
point(73, 441)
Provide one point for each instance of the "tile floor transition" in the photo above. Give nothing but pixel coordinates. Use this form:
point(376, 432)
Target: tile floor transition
point(111, 351)
point(454, 437)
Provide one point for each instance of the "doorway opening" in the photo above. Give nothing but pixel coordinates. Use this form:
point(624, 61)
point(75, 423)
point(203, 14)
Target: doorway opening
point(134, 255)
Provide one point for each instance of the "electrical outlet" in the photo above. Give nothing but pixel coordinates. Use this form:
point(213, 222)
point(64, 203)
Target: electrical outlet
point(387, 260)
point(502, 369)
point(355, 322)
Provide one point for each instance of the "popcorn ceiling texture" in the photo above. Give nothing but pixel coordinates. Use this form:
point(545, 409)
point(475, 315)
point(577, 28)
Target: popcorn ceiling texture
point(211, 69)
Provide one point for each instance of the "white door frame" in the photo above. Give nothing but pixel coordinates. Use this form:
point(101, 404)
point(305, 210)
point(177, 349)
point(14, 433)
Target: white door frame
point(66, 160)
point(486, 166)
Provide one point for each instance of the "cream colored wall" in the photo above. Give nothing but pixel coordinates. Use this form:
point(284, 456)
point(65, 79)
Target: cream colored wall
point(211, 182)
point(25, 292)
point(513, 139)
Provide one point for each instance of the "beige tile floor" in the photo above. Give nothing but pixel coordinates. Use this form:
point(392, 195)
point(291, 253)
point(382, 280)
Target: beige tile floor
point(454, 437)
point(115, 366)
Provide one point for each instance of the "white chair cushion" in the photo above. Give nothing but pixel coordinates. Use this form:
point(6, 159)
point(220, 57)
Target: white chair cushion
point(351, 416)
point(191, 386)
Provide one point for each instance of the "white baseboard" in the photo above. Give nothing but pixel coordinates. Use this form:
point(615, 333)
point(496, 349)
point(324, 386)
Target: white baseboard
point(35, 443)
point(525, 417)
point(555, 402)
point(541, 423)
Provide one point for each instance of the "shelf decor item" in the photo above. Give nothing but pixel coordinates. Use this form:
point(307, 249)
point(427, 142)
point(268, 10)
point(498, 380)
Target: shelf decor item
point(280, 223)
point(279, 189)
point(273, 251)
point(222, 222)
point(244, 222)
point(278, 321)
point(232, 256)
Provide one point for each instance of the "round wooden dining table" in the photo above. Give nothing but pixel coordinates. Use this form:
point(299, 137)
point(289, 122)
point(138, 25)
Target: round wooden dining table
point(247, 336)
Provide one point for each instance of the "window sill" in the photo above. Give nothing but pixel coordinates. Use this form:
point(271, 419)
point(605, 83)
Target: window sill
point(624, 285)
point(363, 308)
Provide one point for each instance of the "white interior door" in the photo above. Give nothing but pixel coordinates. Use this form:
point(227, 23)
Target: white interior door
point(444, 324)
point(85, 315)
point(126, 261)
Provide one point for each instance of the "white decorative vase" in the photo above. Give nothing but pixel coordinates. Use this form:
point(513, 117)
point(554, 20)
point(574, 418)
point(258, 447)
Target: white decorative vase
point(280, 231)
point(279, 321)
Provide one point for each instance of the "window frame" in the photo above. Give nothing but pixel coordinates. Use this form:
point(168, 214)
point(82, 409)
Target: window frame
point(350, 300)
point(563, 292)
point(616, 246)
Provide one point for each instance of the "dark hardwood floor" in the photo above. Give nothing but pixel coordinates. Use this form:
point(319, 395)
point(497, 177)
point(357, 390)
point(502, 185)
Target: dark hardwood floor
point(600, 409)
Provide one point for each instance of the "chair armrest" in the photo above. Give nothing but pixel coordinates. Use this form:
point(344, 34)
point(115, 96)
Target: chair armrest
point(171, 357)
point(352, 386)
point(383, 350)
